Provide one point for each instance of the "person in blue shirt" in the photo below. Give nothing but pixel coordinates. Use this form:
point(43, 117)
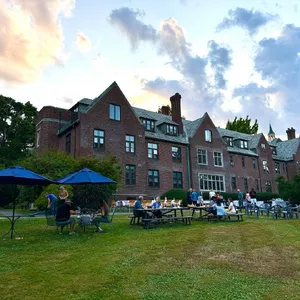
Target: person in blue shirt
point(157, 204)
point(194, 197)
point(52, 203)
point(138, 205)
point(240, 198)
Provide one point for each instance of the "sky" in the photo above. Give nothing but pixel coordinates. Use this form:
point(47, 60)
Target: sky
point(228, 58)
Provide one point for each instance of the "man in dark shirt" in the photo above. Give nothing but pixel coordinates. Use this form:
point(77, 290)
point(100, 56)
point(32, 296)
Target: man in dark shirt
point(63, 216)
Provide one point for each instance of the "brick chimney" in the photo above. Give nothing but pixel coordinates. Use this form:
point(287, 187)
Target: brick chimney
point(176, 111)
point(165, 110)
point(291, 133)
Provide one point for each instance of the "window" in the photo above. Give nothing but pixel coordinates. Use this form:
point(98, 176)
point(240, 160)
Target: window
point(208, 182)
point(243, 162)
point(38, 135)
point(130, 174)
point(243, 144)
point(256, 185)
point(114, 112)
point(263, 146)
point(153, 178)
point(268, 187)
point(171, 129)
point(176, 154)
point(298, 166)
point(277, 168)
point(254, 163)
point(274, 151)
point(148, 124)
point(130, 147)
point(233, 183)
point(177, 180)
point(68, 143)
point(218, 159)
point(265, 166)
point(152, 151)
point(229, 141)
point(208, 135)
point(246, 184)
point(231, 160)
point(202, 156)
point(98, 139)
point(284, 167)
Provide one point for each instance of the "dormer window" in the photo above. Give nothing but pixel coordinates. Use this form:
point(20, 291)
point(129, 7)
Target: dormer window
point(172, 130)
point(149, 124)
point(243, 144)
point(263, 146)
point(229, 141)
point(274, 151)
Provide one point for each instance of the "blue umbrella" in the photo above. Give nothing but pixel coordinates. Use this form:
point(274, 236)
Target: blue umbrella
point(85, 176)
point(19, 175)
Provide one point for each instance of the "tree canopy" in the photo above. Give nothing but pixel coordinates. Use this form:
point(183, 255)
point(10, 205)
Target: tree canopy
point(17, 129)
point(242, 125)
point(170, 111)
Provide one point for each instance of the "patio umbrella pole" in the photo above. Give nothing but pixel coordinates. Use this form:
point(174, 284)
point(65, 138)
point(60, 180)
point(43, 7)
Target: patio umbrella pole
point(13, 220)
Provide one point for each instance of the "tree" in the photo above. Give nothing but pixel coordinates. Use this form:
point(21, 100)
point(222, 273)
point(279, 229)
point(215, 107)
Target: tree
point(56, 165)
point(17, 130)
point(170, 111)
point(242, 125)
point(289, 189)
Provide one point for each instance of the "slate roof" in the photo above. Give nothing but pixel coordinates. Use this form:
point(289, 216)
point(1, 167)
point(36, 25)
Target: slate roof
point(191, 126)
point(286, 149)
point(86, 101)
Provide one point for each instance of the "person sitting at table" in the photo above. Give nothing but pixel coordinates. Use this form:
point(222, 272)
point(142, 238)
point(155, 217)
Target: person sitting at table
point(138, 205)
point(63, 216)
point(231, 209)
point(102, 216)
point(212, 206)
point(157, 204)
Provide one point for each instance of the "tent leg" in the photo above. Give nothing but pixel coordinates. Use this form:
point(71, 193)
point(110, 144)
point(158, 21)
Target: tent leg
point(13, 220)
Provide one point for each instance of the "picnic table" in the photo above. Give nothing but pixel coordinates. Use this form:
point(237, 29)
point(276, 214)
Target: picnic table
point(168, 215)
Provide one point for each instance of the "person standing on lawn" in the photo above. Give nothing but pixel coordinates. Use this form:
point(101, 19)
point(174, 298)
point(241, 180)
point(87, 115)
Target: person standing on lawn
point(240, 198)
point(52, 203)
point(189, 196)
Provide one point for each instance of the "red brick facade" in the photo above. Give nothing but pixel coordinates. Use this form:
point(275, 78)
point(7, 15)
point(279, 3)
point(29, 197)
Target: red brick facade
point(247, 169)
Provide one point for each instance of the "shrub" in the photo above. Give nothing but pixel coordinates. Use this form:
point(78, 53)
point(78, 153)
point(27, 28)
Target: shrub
point(41, 202)
point(177, 194)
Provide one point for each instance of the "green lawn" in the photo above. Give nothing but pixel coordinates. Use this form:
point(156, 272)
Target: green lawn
point(254, 259)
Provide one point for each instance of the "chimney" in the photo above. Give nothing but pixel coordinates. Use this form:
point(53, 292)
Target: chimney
point(176, 111)
point(165, 110)
point(291, 133)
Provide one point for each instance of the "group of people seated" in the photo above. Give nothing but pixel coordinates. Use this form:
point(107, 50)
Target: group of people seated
point(63, 209)
point(216, 208)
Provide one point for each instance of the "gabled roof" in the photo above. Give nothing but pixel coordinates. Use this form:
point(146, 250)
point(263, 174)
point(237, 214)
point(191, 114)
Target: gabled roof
point(275, 142)
point(191, 127)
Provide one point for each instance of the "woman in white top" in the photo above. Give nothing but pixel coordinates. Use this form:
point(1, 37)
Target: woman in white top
point(231, 209)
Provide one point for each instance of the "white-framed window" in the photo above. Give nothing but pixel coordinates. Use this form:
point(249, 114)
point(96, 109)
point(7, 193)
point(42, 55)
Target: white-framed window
point(211, 181)
point(277, 168)
point(229, 141)
point(208, 136)
point(176, 154)
point(38, 136)
point(218, 159)
point(263, 146)
point(202, 157)
point(265, 166)
point(243, 144)
point(149, 124)
point(130, 146)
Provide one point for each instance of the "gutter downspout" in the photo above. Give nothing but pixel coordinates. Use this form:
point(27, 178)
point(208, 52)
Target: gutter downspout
point(188, 164)
point(259, 174)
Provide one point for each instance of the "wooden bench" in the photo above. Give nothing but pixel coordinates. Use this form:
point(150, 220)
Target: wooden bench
point(238, 216)
point(148, 222)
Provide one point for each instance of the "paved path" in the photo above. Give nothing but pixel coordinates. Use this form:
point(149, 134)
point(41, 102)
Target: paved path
point(9, 213)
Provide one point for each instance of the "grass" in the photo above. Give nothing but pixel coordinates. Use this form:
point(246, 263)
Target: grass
point(255, 259)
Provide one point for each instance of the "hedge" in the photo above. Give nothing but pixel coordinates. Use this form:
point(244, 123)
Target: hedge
point(182, 194)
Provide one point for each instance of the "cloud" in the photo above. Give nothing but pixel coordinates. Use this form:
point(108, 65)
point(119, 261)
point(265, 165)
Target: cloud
point(220, 61)
point(249, 20)
point(127, 21)
point(83, 43)
point(31, 37)
point(68, 100)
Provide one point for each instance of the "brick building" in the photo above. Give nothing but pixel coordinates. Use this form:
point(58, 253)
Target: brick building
point(159, 152)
